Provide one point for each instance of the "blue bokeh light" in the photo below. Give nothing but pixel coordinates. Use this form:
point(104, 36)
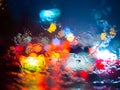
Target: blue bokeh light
point(56, 41)
point(50, 15)
point(67, 31)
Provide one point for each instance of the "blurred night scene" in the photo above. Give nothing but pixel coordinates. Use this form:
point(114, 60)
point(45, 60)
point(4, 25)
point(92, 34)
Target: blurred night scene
point(59, 45)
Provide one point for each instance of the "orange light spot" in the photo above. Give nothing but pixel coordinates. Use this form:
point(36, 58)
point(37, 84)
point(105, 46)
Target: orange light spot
point(33, 55)
point(66, 45)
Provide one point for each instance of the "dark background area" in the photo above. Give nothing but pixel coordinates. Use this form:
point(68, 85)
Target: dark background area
point(74, 13)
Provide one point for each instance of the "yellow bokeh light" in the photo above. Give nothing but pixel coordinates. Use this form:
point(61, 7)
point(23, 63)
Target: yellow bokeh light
point(70, 37)
point(103, 36)
point(52, 28)
point(41, 59)
point(55, 55)
point(32, 61)
point(112, 32)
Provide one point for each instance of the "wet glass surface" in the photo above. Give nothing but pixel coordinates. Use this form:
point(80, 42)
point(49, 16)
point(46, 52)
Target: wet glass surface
point(13, 78)
point(59, 45)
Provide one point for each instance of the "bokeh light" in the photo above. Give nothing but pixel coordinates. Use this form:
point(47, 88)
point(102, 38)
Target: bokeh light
point(50, 15)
